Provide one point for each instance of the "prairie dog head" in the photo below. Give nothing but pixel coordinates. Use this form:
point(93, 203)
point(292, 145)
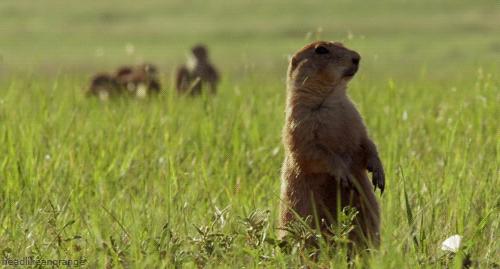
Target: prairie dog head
point(198, 56)
point(322, 66)
point(200, 53)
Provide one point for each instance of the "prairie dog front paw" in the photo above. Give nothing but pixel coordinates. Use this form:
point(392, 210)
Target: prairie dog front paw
point(375, 166)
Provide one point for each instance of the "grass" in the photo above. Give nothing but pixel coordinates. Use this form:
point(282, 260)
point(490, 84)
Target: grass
point(195, 182)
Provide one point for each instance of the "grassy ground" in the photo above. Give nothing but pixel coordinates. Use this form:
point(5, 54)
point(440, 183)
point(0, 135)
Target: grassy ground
point(195, 182)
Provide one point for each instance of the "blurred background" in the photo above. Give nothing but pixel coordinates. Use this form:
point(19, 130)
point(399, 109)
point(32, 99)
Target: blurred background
point(435, 39)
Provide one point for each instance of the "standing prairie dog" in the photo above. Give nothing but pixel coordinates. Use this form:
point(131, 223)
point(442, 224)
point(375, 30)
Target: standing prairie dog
point(198, 73)
point(327, 148)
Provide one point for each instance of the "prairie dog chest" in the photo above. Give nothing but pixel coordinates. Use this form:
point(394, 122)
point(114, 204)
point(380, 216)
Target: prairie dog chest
point(338, 126)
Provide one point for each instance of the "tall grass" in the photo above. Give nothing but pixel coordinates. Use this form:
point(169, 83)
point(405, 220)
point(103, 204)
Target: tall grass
point(186, 182)
point(138, 182)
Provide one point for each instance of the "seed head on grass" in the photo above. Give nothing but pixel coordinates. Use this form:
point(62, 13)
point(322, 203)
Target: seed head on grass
point(256, 224)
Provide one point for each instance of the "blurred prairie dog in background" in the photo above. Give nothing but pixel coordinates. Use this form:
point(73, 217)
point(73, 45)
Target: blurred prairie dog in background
point(327, 148)
point(198, 74)
point(140, 81)
point(104, 86)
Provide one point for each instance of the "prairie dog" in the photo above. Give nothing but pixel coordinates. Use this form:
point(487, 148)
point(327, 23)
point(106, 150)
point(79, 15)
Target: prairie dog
point(198, 73)
point(139, 81)
point(327, 148)
point(104, 86)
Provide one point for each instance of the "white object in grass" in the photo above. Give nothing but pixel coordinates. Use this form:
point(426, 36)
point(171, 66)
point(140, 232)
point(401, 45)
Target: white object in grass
point(142, 91)
point(103, 95)
point(452, 243)
point(405, 115)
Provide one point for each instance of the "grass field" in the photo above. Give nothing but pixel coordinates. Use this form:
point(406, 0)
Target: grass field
point(182, 182)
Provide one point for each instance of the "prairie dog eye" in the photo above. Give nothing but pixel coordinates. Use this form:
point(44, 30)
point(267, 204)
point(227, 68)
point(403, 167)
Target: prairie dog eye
point(321, 50)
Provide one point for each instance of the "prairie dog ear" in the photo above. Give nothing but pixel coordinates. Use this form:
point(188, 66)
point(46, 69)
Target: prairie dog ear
point(321, 50)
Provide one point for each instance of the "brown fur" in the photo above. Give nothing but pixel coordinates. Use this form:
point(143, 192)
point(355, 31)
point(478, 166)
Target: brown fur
point(132, 78)
point(103, 86)
point(328, 151)
point(182, 79)
point(194, 78)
